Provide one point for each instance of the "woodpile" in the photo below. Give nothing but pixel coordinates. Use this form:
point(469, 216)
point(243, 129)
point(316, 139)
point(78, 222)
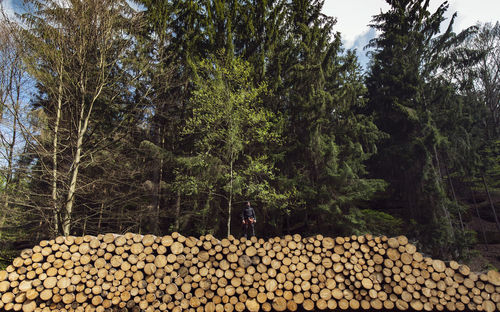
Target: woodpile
point(146, 273)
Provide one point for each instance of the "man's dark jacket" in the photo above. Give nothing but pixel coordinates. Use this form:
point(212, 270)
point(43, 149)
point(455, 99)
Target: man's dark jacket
point(248, 213)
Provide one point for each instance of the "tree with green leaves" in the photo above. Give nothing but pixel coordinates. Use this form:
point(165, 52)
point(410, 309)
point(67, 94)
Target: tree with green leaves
point(227, 127)
point(140, 127)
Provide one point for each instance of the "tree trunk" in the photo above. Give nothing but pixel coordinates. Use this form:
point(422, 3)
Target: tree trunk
point(229, 207)
point(156, 227)
point(491, 203)
point(454, 196)
point(72, 187)
point(120, 220)
point(10, 162)
point(101, 210)
point(446, 212)
point(206, 210)
point(83, 122)
point(4, 212)
point(54, 153)
point(480, 220)
point(178, 212)
point(85, 222)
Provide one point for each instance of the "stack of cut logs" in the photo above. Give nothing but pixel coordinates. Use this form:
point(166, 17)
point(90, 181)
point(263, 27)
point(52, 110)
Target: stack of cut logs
point(147, 273)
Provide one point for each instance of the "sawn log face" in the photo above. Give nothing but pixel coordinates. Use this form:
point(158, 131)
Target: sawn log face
point(172, 273)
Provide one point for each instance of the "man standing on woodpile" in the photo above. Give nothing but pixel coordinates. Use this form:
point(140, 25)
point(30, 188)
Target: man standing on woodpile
point(248, 219)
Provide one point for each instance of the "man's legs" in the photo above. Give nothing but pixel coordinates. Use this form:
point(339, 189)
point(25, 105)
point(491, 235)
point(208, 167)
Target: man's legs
point(253, 228)
point(245, 229)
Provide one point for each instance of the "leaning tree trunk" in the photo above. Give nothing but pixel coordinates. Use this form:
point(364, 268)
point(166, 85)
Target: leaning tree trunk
point(491, 203)
point(70, 199)
point(480, 220)
point(454, 196)
point(83, 122)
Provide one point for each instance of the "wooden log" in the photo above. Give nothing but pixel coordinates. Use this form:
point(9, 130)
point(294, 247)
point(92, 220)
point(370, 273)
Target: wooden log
point(464, 270)
point(393, 254)
point(171, 272)
point(308, 305)
point(493, 277)
point(393, 242)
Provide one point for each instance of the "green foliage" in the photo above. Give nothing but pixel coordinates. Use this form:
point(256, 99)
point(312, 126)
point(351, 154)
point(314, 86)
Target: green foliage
point(230, 131)
point(491, 161)
point(6, 257)
point(318, 88)
point(368, 221)
point(422, 114)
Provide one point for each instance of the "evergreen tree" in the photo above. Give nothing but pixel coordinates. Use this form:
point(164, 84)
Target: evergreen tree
point(258, 31)
point(405, 97)
point(292, 48)
point(319, 90)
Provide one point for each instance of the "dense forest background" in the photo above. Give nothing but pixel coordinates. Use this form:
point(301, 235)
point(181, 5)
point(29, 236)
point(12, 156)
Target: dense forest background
point(161, 116)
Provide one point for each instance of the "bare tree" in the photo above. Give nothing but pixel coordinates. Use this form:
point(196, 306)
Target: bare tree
point(76, 49)
point(13, 84)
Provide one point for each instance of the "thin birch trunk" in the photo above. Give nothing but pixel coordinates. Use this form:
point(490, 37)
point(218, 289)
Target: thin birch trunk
point(72, 185)
point(10, 162)
point(85, 222)
point(4, 213)
point(82, 129)
point(178, 211)
point(55, 151)
point(120, 220)
point(83, 122)
point(229, 208)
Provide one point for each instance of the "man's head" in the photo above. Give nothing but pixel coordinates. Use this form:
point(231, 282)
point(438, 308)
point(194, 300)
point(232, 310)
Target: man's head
point(248, 203)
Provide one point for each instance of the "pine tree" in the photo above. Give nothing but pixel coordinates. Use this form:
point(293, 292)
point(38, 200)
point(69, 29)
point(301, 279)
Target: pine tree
point(406, 97)
point(319, 90)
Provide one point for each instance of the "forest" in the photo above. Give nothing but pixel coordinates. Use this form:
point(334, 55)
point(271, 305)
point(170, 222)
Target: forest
point(154, 117)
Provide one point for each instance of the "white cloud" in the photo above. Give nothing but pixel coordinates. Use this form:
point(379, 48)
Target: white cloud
point(360, 43)
point(472, 12)
point(353, 16)
point(8, 9)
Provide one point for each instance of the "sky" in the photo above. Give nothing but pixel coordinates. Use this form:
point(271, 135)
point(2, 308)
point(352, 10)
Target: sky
point(353, 17)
